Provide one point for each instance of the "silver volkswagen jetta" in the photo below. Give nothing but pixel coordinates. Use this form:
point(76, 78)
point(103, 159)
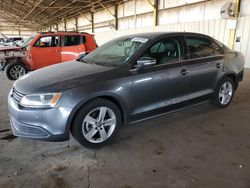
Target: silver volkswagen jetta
point(128, 79)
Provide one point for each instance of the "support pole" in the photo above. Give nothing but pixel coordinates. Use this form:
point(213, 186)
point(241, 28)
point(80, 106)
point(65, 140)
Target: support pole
point(92, 22)
point(116, 16)
point(65, 26)
point(76, 20)
point(156, 12)
point(155, 7)
point(237, 4)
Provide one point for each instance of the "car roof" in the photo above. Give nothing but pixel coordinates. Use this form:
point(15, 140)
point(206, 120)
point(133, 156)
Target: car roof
point(63, 33)
point(162, 34)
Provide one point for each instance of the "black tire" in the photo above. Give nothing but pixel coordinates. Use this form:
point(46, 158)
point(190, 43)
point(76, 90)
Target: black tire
point(9, 69)
point(78, 123)
point(216, 100)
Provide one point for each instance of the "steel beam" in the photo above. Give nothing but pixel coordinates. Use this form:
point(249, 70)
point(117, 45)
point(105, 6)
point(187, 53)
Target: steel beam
point(30, 11)
point(106, 9)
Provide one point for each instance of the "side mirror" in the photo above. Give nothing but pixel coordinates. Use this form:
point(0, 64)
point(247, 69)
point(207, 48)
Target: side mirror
point(145, 62)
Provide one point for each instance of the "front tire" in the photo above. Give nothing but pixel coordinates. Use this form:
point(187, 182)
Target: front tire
point(224, 93)
point(15, 70)
point(96, 123)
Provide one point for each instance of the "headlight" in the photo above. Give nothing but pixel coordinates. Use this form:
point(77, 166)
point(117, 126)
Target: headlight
point(47, 100)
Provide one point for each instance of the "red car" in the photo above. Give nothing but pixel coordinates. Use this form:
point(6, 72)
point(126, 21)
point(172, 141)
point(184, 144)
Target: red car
point(43, 50)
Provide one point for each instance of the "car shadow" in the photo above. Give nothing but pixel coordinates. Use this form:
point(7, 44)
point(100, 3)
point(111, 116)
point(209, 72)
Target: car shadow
point(168, 121)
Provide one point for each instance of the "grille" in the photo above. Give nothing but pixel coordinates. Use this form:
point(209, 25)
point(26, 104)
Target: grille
point(17, 96)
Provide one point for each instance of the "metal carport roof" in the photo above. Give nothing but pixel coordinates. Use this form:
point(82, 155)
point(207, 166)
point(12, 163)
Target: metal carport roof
point(38, 14)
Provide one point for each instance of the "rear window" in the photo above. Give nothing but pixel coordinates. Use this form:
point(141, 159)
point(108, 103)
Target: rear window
point(72, 40)
point(199, 47)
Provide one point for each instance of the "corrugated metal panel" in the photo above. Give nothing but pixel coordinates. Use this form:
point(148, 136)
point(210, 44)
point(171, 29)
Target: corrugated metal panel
point(243, 31)
point(70, 24)
point(214, 28)
point(83, 20)
point(61, 26)
point(104, 15)
point(245, 8)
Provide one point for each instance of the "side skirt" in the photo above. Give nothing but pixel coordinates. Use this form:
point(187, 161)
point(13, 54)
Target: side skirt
point(171, 109)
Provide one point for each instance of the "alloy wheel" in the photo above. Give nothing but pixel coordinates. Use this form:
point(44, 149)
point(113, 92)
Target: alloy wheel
point(99, 124)
point(17, 71)
point(226, 93)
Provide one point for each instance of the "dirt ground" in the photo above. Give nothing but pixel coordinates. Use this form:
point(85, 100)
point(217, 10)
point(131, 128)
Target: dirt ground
point(199, 147)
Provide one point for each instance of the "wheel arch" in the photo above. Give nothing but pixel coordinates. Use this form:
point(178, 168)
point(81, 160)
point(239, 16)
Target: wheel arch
point(16, 60)
point(13, 62)
point(112, 98)
point(233, 76)
point(10, 60)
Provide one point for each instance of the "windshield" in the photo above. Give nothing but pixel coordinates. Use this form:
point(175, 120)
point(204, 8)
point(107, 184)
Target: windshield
point(27, 41)
point(115, 52)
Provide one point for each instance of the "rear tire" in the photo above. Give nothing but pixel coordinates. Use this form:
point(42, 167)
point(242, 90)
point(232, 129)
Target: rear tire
point(15, 70)
point(96, 123)
point(224, 93)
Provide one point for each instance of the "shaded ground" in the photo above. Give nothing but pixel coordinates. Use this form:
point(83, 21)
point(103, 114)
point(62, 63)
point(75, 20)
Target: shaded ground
point(199, 147)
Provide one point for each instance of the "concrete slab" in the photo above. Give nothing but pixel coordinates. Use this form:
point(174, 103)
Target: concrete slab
point(198, 147)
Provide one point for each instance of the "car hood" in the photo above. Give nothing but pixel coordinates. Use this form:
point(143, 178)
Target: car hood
point(60, 77)
point(10, 48)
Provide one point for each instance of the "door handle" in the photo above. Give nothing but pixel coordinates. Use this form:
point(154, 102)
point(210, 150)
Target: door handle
point(218, 65)
point(184, 72)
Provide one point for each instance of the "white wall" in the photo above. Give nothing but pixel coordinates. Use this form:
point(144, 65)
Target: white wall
point(215, 28)
point(10, 30)
point(245, 8)
point(16, 33)
point(139, 13)
point(202, 16)
point(243, 31)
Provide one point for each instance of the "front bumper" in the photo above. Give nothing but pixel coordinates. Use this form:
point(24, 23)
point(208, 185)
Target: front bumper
point(42, 124)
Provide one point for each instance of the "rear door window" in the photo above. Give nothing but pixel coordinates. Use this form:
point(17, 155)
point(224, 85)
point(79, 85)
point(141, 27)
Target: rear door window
point(48, 41)
point(199, 47)
point(217, 49)
point(71, 40)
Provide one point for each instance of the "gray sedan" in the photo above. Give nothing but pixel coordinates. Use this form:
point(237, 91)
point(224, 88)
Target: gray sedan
point(126, 80)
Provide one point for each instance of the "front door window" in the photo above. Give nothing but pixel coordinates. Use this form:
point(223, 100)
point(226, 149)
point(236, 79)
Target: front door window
point(48, 41)
point(164, 52)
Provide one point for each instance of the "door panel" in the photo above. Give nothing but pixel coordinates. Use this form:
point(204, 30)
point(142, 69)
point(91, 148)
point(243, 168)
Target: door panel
point(72, 47)
point(164, 84)
point(204, 74)
point(158, 89)
point(204, 65)
point(45, 52)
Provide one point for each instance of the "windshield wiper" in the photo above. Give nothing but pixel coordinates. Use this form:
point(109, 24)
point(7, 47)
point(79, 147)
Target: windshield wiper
point(81, 60)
